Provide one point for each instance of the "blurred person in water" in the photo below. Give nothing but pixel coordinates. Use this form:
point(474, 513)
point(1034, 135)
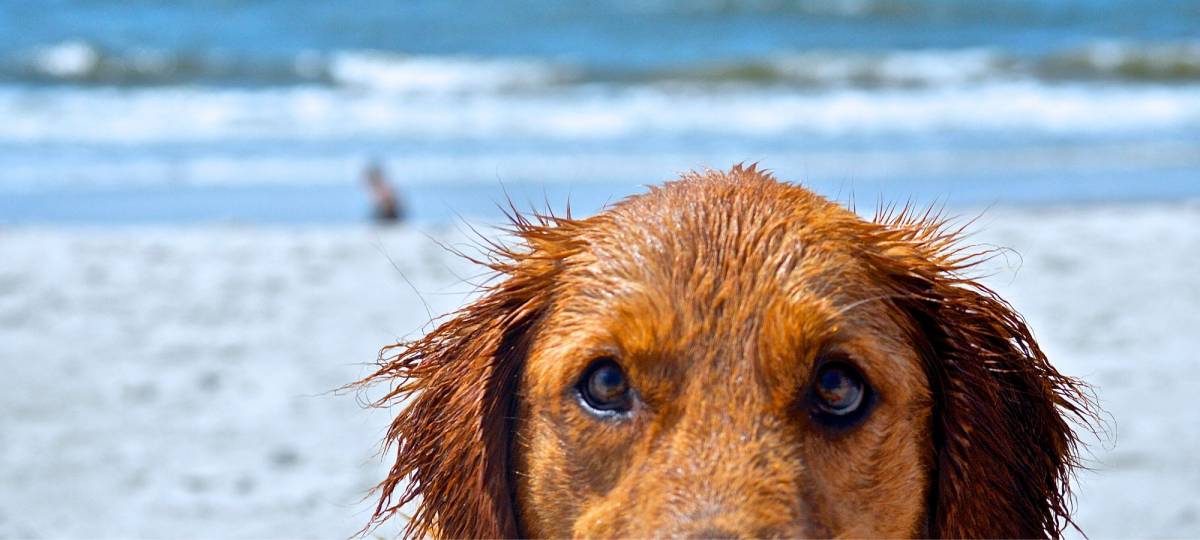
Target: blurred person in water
point(386, 206)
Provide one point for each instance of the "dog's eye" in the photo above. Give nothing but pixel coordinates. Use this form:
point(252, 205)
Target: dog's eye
point(839, 394)
point(604, 387)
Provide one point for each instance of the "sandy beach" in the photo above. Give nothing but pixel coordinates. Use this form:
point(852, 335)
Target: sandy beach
point(177, 381)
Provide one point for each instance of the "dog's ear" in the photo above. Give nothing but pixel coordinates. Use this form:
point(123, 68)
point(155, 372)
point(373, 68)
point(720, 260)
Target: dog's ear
point(457, 386)
point(1004, 448)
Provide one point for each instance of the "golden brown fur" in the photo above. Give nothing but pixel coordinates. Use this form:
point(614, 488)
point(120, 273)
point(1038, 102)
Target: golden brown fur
point(719, 295)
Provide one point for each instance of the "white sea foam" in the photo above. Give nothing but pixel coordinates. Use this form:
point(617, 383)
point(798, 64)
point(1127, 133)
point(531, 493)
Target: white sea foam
point(69, 59)
point(182, 114)
point(931, 68)
point(377, 70)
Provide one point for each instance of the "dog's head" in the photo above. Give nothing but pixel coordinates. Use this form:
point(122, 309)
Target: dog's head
point(728, 355)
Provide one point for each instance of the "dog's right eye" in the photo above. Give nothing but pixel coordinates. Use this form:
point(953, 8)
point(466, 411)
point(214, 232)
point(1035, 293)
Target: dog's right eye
point(840, 395)
point(604, 388)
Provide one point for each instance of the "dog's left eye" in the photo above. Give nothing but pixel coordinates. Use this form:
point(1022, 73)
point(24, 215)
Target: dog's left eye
point(839, 394)
point(604, 387)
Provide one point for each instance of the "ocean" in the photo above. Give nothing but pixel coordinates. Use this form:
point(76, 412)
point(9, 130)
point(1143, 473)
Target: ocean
point(115, 112)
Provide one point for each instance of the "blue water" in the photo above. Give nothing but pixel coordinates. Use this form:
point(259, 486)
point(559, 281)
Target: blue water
point(190, 111)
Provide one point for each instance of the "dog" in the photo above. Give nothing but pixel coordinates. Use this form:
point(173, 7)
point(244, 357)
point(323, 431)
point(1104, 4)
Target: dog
point(728, 355)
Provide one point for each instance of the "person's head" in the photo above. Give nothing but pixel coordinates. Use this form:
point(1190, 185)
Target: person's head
point(375, 175)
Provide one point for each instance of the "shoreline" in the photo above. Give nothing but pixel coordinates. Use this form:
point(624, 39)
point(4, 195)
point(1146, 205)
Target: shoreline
point(441, 205)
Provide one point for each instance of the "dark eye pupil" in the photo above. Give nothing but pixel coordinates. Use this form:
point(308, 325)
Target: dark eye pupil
point(607, 383)
point(605, 388)
point(839, 390)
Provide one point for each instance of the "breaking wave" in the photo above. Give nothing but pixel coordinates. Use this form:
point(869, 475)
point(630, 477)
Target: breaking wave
point(321, 113)
point(81, 63)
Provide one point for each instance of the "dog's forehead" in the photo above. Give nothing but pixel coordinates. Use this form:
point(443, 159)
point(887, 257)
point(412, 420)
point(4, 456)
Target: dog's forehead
point(708, 257)
point(711, 232)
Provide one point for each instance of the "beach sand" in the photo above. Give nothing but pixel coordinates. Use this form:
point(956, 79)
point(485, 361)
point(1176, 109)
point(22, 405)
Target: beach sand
point(177, 381)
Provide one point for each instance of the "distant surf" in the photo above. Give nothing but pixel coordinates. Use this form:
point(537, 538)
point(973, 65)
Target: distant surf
point(82, 63)
point(459, 111)
point(1031, 100)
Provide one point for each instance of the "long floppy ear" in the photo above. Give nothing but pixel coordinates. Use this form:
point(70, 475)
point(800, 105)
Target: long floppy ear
point(457, 386)
point(1002, 420)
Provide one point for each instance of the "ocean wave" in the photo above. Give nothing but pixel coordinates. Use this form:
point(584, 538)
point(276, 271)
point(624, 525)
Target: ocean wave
point(378, 70)
point(322, 114)
point(1116, 62)
point(1122, 61)
point(825, 69)
point(80, 63)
